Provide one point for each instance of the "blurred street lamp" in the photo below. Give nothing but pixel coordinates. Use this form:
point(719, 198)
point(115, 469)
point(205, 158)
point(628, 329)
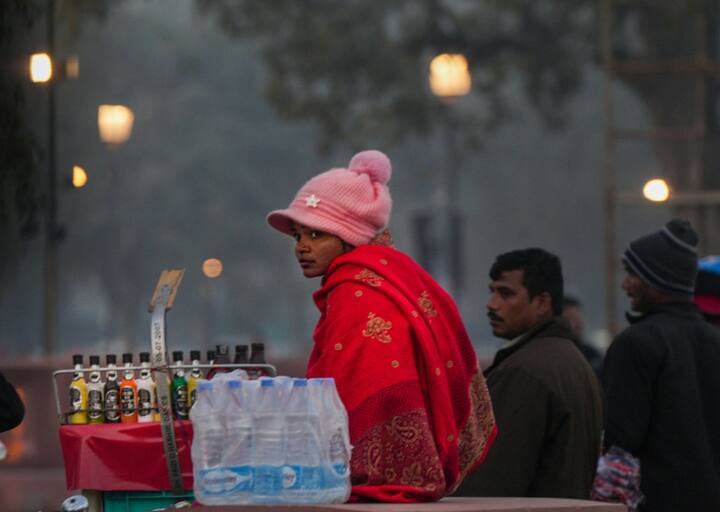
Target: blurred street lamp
point(450, 75)
point(449, 79)
point(656, 190)
point(115, 123)
point(41, 67)
point(212, 268)
point(72, 67)
point(79, 177)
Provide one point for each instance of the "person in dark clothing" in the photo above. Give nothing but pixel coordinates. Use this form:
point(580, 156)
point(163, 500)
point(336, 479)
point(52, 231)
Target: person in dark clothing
point(572, 312)
point(12, 410)
point(661, 377)
point(545, 396)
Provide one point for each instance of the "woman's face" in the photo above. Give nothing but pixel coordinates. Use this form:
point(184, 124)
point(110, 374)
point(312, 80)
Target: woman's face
point(315, 249)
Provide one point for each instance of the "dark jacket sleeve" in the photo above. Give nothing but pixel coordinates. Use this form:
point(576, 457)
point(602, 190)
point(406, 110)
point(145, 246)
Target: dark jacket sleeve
point(631, 367)
point(520, 406)
point(12, 410)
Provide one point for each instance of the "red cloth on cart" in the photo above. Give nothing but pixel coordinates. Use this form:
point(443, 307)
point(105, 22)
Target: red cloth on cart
point(123, 456)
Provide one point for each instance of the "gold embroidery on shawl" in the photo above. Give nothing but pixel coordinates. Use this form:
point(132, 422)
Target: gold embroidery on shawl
point(412, 475)
point(374, 456)
point(377, 329)
point(369, 277)
point(400, 451)
point(476, 432)
point(407, 431)
point(426, 304)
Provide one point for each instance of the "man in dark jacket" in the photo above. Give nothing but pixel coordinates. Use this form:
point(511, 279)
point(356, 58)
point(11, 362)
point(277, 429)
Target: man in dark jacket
point(545, 396)
point(662, 377)
point(12, 410)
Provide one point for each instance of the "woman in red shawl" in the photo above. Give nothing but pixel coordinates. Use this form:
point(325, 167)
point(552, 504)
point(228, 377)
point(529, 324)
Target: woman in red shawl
point(391, 337)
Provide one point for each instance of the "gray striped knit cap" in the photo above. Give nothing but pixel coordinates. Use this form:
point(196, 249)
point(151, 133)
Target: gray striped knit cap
point(667, 259)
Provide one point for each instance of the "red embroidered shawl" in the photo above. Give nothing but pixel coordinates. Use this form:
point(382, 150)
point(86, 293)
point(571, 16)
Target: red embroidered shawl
point(419, 409)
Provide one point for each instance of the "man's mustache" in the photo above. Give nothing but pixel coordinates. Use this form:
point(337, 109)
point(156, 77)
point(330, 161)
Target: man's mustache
point(494, 316)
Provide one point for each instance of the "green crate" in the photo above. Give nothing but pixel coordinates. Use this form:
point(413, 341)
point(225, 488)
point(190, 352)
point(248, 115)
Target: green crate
point(142, 501)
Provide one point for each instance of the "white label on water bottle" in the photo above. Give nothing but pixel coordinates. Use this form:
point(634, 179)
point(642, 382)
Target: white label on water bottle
point(219, 481)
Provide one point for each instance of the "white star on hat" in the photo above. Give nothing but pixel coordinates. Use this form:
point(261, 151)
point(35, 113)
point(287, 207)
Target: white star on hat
point(312, 201)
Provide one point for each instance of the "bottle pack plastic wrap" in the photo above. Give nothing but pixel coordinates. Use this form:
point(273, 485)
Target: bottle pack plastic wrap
point(269, 441)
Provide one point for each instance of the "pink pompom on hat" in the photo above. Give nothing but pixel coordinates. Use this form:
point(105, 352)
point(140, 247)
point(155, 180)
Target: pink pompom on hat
point(353, 204)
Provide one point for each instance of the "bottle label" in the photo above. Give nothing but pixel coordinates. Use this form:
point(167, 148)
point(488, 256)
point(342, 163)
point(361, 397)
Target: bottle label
point(75, 399)
point(95, 404)
point(127, 397)
point(220, 481)
point(268, 480)
point(111, 405)
point(296, 477)
point(144, 402)
point(181, 405)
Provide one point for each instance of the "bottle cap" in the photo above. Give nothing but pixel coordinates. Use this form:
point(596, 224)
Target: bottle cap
point(258, 346)
point(111, 359)
point(177, 355)
point(195, 355)
point(299, 383)
point(205, 385)
point(234, 384)
point(221, 350)
point(266, 383)
point(95, 360)
point(144, 357)
point(78, 359)
point(127, 358)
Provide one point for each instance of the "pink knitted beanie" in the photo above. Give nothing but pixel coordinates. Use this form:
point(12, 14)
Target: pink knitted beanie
point(353, 204)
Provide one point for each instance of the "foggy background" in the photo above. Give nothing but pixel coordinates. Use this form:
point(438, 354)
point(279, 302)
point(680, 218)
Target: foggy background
point(238, 103)
point(209, 156)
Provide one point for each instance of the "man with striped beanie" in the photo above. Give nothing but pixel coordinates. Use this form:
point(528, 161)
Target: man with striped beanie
point(661, 376)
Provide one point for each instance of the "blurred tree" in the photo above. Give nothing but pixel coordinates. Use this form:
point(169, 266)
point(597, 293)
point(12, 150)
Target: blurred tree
point(359, 68)
point(20, 183)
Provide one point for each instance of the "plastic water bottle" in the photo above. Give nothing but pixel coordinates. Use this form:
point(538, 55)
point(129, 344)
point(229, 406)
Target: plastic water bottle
point(211, 480)
point(268, 435)
point(335, 438)
point(237, 456)
point(302, 473)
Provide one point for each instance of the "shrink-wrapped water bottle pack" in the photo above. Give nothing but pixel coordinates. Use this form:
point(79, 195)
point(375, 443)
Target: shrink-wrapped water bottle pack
point(269, 441)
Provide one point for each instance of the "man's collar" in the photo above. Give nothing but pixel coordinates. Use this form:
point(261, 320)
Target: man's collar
point(682, 308)
point(554, 327)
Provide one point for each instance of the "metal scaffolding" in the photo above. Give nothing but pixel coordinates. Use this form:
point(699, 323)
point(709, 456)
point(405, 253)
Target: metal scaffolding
point(696, 200)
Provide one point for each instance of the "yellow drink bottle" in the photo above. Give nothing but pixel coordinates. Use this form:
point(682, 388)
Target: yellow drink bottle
point(78, 394)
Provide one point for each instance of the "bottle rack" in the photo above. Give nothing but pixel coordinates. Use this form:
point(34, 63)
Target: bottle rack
point(63, 414)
